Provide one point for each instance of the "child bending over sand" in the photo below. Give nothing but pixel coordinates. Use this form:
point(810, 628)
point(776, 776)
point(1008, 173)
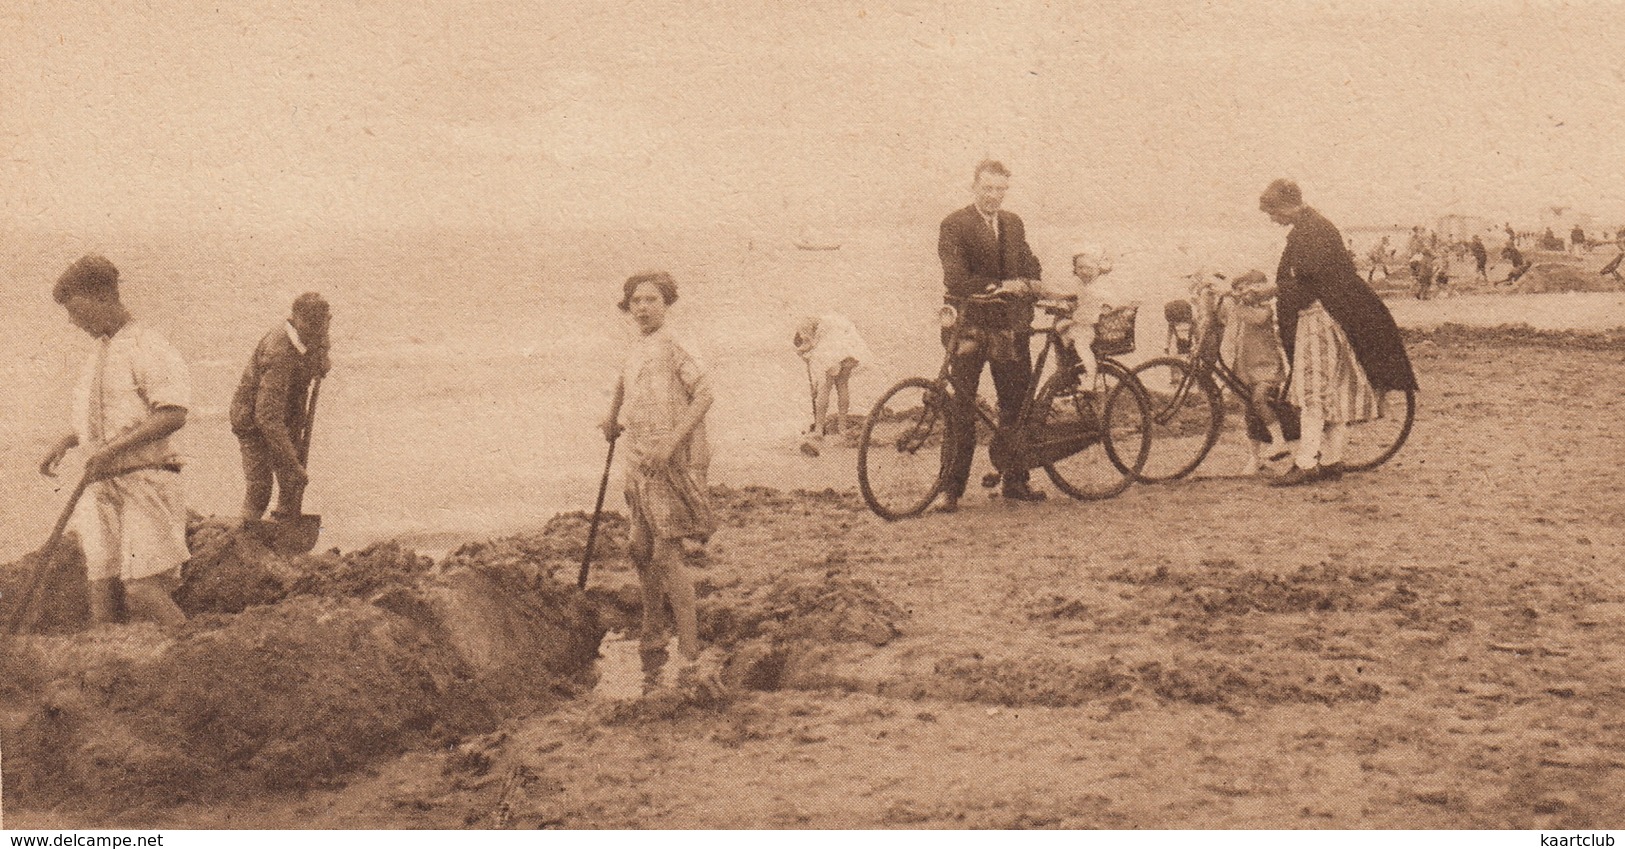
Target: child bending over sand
point(833, 350)
point(660, 404)
point(1252, 346)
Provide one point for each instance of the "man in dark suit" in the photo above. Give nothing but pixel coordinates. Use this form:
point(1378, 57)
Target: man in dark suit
point(982, 247)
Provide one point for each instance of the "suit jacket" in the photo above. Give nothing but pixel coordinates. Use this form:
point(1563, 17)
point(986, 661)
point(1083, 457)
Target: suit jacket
point(1316, 267)
point(972, 259)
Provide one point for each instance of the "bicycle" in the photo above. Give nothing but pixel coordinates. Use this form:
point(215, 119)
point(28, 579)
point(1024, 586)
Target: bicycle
point(1188, 410)
point(1091, 440)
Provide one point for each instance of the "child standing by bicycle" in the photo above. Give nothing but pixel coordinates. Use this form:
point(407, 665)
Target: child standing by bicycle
point(1252, 346)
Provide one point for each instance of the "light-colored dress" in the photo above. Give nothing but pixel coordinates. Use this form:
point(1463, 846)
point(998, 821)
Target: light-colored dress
point(1252, 345)
point(835, 341)
point(659, 381)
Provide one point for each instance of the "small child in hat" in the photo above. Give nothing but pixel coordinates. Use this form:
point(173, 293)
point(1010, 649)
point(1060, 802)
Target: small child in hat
point(1088, 265)
point(1252, 347)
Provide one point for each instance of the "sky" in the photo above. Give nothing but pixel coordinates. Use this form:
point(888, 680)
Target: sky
point(337, 117)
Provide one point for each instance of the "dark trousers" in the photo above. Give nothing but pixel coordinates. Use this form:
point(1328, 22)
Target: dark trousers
point(1010, 383)
point(259, 468)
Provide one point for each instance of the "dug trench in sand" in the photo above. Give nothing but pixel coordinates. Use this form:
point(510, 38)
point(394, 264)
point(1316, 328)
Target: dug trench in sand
point(294, 672)
point(291, 671)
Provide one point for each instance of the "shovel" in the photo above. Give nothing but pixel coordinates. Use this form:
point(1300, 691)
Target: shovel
point(811, 443)
point(40, 561)
point(23, 615)
point(298, 535)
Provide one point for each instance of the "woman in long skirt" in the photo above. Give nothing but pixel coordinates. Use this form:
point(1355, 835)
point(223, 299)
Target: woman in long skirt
point(1343, 345)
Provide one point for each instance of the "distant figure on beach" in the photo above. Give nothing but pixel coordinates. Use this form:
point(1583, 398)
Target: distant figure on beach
point(271, 407)
point(1417, 244)
point(981, 247)
point(1378, 257)
point(1577, 240)
point(1481, 258)
point(660, 403)
point(132, 395)
point(833, 350)
point(1340, 340)
point(1252, 347)
point(1422, 273)
point(1514, 257)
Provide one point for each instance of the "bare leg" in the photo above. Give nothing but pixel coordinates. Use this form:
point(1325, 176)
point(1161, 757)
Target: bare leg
point(679, 591)
point(1264, 403)
point(1255, 462)
point(652, 635)
point(104, 607)
point(843, 392)
point(148, 599)
point(821, 404)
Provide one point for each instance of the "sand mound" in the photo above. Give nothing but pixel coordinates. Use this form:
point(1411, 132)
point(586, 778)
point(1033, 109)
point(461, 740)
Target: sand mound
point(1518, 334)
point(783, 630)
point(333, 662)
point(829, 608)
point(1562, 277)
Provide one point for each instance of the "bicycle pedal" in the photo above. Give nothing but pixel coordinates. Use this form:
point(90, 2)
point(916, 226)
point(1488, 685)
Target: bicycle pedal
point(990, 480)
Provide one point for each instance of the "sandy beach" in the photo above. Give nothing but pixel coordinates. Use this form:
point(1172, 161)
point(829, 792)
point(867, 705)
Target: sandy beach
point(1434, 647)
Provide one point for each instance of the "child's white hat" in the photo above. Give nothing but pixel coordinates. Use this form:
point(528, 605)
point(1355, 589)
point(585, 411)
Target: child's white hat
point(1093, 256)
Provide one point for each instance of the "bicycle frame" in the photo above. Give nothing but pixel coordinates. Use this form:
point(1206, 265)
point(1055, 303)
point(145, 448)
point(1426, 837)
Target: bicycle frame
point(1204, 359)
point(1052, 341)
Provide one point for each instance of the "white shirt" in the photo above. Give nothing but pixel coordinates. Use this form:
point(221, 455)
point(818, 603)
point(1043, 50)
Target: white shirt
point(128, 376)
point(835, 341)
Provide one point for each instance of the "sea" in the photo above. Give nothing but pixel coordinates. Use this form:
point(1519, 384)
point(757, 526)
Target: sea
point(471, 367)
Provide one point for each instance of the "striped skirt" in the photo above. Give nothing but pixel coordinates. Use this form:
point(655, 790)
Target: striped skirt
point(1326, 378)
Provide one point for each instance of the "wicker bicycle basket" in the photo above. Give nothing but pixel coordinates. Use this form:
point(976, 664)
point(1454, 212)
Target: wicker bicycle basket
point(1114, 334)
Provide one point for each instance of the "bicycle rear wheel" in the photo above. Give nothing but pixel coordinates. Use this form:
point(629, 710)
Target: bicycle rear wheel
point(1187, 413)
point(1095, 438)
point(905, 443)
point(1375, 442)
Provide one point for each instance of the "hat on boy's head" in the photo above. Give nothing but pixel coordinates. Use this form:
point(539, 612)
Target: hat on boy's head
point(311, 304)
point(1256, 284)
point(661, 281)
point(1252, 280)
point(92, 275)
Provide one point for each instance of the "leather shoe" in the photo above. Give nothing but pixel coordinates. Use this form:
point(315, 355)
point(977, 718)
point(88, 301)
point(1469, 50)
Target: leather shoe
point(1296, 476)
point(1024, 493)
point(1332, 471)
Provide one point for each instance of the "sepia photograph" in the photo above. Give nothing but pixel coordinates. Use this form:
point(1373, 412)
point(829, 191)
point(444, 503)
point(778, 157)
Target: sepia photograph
point(893, 415)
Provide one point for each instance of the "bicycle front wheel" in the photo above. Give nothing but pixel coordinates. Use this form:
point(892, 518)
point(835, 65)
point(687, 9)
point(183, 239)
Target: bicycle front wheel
point(1187, 412)
point(905, 443)
point(1091, 439)
point(1375, 442)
